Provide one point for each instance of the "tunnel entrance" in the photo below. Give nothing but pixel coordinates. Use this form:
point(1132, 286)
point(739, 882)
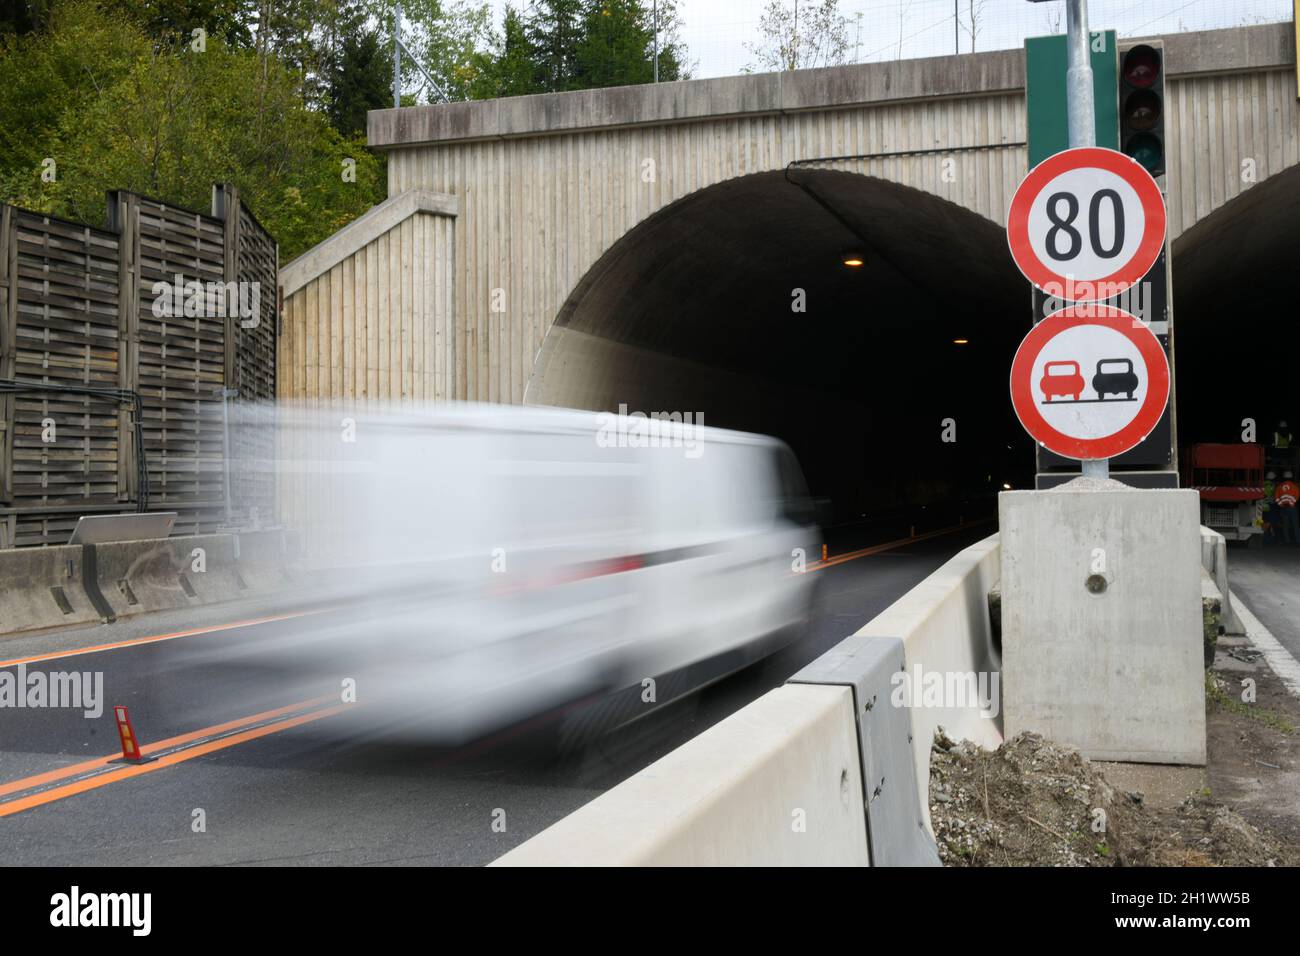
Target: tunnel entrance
point(736, 302)
point(1236, 351)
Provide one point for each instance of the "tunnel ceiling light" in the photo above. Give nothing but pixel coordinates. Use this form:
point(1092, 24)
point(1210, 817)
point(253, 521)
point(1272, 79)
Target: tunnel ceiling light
point(961, 341)
point(853, 258)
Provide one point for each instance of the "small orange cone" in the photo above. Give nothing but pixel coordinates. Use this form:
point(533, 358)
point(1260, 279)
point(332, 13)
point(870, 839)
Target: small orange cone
point(130, 746)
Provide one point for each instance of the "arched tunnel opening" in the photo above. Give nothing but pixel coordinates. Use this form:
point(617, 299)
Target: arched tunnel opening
point(1236, 353)
point(889, 379)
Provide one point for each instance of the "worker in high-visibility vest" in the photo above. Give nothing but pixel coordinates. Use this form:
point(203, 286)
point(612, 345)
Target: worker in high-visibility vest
point(1267, 511)
point(1282, 437)
point(1287, 494)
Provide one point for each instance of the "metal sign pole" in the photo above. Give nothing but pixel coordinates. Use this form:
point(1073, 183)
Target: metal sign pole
point(1082, 124)
point(656, 29)
point(397, 54)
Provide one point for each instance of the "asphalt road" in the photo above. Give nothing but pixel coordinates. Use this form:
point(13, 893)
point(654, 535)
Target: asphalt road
point(1268, 580)
point(277, 775)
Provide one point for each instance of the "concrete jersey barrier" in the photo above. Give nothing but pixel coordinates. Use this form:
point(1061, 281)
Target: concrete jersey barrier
point(42, 587)
point(828, 750)
point(85, 583)
point(775, 784)
point(943, 623)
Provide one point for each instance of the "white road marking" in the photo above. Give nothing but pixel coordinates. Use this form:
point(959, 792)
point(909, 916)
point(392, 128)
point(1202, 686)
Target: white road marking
point(1279, 659)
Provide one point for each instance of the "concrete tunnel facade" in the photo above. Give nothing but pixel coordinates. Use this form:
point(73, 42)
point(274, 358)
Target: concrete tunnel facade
point(641, 246)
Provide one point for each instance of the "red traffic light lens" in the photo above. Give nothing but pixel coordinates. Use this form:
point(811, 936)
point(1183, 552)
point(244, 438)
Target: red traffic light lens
point(1141, 66)
point(1142, 110)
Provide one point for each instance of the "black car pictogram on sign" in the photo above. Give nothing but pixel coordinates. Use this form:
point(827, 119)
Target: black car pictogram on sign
point(1119, 382)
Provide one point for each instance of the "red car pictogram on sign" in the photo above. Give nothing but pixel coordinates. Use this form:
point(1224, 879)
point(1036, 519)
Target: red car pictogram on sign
point(1058, 382)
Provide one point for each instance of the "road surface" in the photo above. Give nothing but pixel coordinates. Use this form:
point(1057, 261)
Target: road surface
point(277, 772)
point(1268, 580)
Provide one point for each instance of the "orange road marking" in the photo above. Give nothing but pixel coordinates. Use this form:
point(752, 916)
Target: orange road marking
point(134, 770)
point(154, 639)
point(14, 786)
point(891, 545)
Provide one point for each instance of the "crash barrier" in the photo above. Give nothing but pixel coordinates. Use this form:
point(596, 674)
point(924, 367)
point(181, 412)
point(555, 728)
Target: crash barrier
point(82, 584)
point(825, 770)
point(943, 623)
point(40, 587)
point(775, 783)
point(1214, 559)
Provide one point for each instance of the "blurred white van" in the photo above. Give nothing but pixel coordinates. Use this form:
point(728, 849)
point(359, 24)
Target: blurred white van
point(499, 561)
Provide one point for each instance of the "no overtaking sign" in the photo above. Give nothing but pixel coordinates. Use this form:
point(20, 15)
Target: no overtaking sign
point(1090, 382)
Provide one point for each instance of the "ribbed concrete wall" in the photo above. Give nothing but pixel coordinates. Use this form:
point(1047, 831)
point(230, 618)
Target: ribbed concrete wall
point(537, 213)
point(548, 184)
point(1216, 122)
point(378, 325)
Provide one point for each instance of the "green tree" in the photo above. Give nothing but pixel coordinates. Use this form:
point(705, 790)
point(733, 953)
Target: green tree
point(360, 80)
point(44, 75)
point(616, 47)
point(451, 40)
point(24, 16)
point(795, 36)
point(169, 122)
point(554, 30)
point(175, 20)
point(507, 68)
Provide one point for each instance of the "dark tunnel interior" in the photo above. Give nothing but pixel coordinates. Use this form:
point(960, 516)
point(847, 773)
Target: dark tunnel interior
point(697, 310)
point(1235, 351)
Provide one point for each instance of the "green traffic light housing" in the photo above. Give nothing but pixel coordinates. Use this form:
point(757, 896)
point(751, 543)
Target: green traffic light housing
point(1142, 114)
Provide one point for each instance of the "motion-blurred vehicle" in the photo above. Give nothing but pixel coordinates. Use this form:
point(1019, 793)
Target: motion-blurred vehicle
point(1123, 381)
point(497, 562)
point(1069, 382)
point(1230, 481)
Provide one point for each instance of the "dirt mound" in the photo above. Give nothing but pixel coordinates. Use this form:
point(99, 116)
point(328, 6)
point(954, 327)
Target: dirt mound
point(1035, 803)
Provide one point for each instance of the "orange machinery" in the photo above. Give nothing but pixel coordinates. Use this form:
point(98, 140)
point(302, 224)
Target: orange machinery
point(1230, 479)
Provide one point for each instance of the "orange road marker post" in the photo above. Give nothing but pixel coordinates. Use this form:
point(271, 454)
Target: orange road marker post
point(130, 743)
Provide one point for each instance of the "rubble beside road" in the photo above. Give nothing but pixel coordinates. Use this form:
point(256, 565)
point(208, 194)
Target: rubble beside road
point(1032, 802)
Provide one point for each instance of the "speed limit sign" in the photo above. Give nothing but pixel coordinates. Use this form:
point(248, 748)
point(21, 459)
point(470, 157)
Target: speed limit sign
point(1086, 224)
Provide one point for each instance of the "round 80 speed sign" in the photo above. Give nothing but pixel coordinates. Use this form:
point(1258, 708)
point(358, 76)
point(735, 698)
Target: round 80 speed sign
point(1090, 220)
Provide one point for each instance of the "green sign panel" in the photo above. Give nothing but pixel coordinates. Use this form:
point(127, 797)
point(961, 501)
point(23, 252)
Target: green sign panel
point(1045, 65)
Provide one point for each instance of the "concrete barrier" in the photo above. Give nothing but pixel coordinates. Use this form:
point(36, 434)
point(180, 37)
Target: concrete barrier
point(1214, 558)
point(82, 584)
point(775, 784)
point(943, 623)
point(1102, 626)
point(42, 587)
point(163, 573)
point(267, 560)
point(897, 834)
point(828, 752)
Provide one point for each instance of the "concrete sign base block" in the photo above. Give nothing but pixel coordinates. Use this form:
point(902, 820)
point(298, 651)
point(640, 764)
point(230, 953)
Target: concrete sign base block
point(1101, 620)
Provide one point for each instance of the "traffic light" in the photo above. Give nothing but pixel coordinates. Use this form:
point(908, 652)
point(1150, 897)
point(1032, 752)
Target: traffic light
point(1142, 105)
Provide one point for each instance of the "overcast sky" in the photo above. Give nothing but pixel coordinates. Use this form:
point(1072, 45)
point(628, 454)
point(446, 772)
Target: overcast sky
point(715, 31)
